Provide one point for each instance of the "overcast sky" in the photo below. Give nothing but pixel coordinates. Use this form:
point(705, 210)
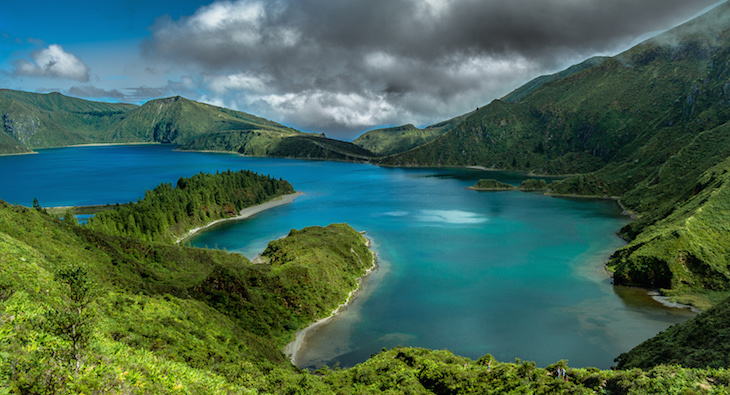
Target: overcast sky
point(335, 66)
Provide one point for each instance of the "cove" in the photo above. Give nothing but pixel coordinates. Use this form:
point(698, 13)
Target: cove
point(513, 274)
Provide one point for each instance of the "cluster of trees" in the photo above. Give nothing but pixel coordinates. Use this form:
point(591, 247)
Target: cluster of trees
point(167, 211)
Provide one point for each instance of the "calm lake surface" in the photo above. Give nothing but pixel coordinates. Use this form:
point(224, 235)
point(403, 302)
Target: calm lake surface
point(513, 274)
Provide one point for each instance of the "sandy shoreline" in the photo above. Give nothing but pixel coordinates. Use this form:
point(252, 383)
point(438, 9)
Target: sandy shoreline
point(246, 213)
point(292, 349)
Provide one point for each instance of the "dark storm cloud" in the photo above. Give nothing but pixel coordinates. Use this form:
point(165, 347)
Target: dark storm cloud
point(363, 62)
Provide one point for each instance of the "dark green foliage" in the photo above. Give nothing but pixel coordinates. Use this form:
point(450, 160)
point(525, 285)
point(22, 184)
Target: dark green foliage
point(491, 185)
point(701, 342)
point(315, 147)
point(532, 184)
point(71, 320)
point(167, 212)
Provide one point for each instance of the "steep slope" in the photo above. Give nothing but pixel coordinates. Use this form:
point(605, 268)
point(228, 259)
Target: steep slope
point(399, 139)
point(645, 126)
point(520, 93)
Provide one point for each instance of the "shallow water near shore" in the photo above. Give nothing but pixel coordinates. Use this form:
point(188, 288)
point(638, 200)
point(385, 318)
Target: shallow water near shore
point(514, 274)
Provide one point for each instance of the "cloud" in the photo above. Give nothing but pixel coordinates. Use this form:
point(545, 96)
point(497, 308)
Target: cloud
point(88, 91)
point(363, 63)
point(53, 62)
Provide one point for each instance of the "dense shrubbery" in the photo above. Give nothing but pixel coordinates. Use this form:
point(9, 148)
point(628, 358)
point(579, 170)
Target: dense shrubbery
point(167, 211)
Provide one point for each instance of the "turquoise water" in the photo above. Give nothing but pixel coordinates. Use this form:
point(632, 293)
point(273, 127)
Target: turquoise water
point(517, 275)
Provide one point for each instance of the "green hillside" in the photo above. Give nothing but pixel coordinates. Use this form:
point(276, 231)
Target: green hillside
point(701, 342)
point(648, 126)
point(520, 93)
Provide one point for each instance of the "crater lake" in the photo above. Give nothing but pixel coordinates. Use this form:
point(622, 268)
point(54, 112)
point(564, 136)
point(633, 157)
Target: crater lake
point(510, 273)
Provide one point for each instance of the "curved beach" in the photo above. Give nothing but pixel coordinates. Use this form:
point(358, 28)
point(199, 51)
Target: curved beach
point(293, 348)
point(246, 213)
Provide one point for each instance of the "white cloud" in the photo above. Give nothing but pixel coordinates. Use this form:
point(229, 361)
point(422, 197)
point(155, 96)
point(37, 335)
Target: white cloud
point(53, 62)
point(323, 109)
point(238, 81)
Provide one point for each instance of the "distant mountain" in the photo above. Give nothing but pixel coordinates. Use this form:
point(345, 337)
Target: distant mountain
point(32, 120)
point(179, 120)
point(399, 139)
point(648, 126)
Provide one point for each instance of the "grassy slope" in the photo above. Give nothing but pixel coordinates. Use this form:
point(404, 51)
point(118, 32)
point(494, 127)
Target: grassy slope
point(520, 93)
point(280, 144)
point(168, 316)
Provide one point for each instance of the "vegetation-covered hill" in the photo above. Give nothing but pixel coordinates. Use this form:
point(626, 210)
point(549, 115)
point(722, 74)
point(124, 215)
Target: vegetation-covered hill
point(648, 126)
point(389, 141)
point(520, 93)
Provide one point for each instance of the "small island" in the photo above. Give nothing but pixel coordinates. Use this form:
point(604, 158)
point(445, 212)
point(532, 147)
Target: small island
point(491, 185)
point(532, 184)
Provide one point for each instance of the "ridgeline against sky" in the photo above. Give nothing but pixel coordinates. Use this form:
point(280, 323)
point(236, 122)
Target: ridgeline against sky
point(325, 66)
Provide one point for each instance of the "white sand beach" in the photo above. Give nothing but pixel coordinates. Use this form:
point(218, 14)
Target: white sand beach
point(246, 213)
point(292, 349)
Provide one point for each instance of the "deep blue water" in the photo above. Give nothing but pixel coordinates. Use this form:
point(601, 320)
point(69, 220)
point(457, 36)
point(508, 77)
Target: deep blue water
point(514, 274)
